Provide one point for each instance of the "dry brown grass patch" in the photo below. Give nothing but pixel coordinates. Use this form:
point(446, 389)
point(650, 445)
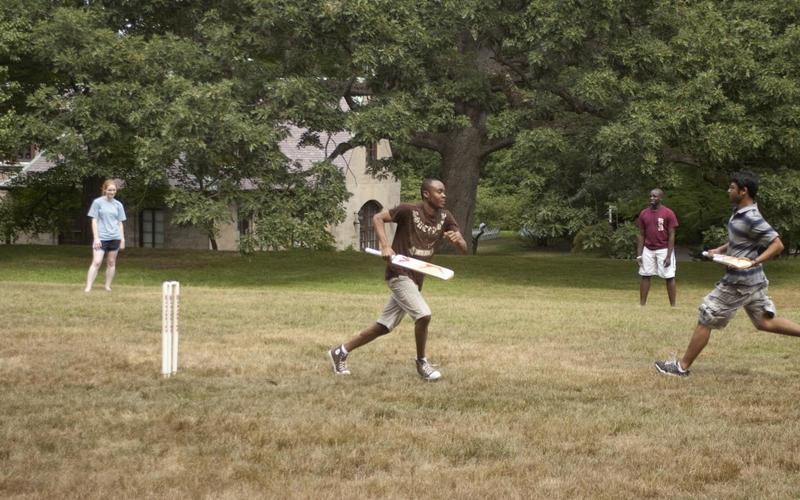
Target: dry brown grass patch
point(547, 393)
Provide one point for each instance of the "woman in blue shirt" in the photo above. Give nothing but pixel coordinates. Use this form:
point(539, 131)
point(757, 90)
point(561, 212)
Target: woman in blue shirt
point(107, 216)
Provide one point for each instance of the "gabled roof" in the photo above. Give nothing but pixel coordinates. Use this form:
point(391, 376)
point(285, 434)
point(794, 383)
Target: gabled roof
point(301, 155)
point(305, 155)
point(39, 163)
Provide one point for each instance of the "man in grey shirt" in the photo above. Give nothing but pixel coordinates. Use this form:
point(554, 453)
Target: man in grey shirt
point(748, 234)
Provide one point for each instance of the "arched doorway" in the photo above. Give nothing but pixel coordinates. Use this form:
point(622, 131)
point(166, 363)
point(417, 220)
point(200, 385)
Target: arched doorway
point(367, 237)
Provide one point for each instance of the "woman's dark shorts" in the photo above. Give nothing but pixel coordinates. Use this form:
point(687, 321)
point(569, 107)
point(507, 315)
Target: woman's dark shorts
point(110, 245)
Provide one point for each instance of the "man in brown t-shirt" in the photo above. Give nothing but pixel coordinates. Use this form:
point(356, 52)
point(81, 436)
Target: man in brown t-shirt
point(419, 228)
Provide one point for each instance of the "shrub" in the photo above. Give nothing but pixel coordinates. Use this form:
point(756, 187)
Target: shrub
point(623, 241)
point(498, 209)
point(602, 238)
point(777, 200)
point(715, 236)
point(551, 220)
point(594, 238)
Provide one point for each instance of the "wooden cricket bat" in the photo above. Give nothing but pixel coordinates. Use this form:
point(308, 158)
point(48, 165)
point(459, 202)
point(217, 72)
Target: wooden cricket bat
point(417, 265)
point(729, 260)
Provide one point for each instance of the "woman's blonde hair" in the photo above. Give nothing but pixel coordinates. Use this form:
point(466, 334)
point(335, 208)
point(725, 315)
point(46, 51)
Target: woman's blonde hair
point(107, 183)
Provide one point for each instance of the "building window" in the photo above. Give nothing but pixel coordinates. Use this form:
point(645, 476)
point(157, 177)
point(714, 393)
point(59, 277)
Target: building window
point(245, 224)
point(23, 155)
point(372, 153)
point(151, 228)
point(367, 237)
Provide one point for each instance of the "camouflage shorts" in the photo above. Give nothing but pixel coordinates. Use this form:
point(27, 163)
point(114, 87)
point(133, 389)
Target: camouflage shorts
point(719, 306)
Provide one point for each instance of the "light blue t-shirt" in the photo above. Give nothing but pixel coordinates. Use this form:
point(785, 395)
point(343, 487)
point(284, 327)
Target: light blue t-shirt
point(108, 214)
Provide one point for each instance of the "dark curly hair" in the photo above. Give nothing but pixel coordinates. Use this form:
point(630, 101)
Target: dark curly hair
point(746, 179)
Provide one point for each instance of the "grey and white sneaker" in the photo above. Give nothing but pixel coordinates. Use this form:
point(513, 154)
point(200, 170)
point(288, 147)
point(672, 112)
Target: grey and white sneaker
point(671, 367)
point(338, 360)
point(427, 371)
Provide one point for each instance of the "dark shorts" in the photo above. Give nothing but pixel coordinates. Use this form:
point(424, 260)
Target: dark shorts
point(110, 245)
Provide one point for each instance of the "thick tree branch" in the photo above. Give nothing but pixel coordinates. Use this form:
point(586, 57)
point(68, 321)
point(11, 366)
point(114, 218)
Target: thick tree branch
point(340, 149)
point(348, 97)
point(577, 104)
point(352, 87)
point(676, 156)
point(428, 140)
point(520, 74)
point(497, 145)
point(508, 87)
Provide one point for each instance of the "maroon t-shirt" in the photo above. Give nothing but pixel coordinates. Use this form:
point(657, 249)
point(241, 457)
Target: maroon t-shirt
point(656, 225)
point(416, 236)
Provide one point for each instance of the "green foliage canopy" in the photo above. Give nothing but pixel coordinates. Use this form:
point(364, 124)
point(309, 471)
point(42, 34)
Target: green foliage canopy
point(553, 104)
point(135, 93)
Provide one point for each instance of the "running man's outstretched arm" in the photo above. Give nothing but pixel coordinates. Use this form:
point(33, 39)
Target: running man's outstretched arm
point(456, 239)
point(378, 221)
point(774, 248)
point(719, 250)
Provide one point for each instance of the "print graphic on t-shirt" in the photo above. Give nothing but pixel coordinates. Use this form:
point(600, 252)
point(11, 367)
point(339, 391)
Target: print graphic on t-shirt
point(417, 234)
point(419, 252)
point(660, 223)
point(425, 228)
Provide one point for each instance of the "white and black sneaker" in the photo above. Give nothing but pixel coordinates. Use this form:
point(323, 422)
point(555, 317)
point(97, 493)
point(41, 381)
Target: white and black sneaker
point(339, 360)
point(671, 367)
point(427, 371)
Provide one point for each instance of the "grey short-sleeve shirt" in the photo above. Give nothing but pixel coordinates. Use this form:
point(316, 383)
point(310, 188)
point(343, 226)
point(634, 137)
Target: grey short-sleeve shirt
point(748, 235)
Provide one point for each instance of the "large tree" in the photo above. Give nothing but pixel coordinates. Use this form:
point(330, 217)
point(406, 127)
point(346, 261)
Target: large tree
point(171, 96)
point(21, 71)
point(597, 99)
point(589, 102)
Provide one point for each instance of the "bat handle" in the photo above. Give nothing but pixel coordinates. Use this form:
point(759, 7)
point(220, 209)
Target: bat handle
point(373, 251)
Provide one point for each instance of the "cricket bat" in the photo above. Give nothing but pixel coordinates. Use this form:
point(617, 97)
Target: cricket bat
point(417, 265)
point(729, 260)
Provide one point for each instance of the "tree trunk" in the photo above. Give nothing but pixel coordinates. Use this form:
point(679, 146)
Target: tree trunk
point(462, 159)
point(91, 189)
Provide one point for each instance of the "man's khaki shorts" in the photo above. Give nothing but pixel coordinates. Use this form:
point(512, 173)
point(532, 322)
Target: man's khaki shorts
point(405, 298)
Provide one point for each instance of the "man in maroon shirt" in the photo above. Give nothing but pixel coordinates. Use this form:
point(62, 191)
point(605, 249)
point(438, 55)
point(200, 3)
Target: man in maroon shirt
point(419, 228)
point(656, 246)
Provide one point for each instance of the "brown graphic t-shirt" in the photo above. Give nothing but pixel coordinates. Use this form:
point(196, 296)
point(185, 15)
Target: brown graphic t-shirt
point(416, 236)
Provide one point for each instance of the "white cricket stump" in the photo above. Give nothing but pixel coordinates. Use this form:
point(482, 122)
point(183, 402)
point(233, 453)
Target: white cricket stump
point(170, 300)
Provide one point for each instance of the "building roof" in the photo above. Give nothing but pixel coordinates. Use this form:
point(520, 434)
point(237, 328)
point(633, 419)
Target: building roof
point(39, 163)
point(301, 152)
point(304, 155)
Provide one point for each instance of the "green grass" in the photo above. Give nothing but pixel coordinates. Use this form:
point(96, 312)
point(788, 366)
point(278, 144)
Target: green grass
point(503, 262)
point(548, 388)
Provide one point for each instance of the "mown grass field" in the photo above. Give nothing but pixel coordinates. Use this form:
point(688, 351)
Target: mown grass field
point(548, 388)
